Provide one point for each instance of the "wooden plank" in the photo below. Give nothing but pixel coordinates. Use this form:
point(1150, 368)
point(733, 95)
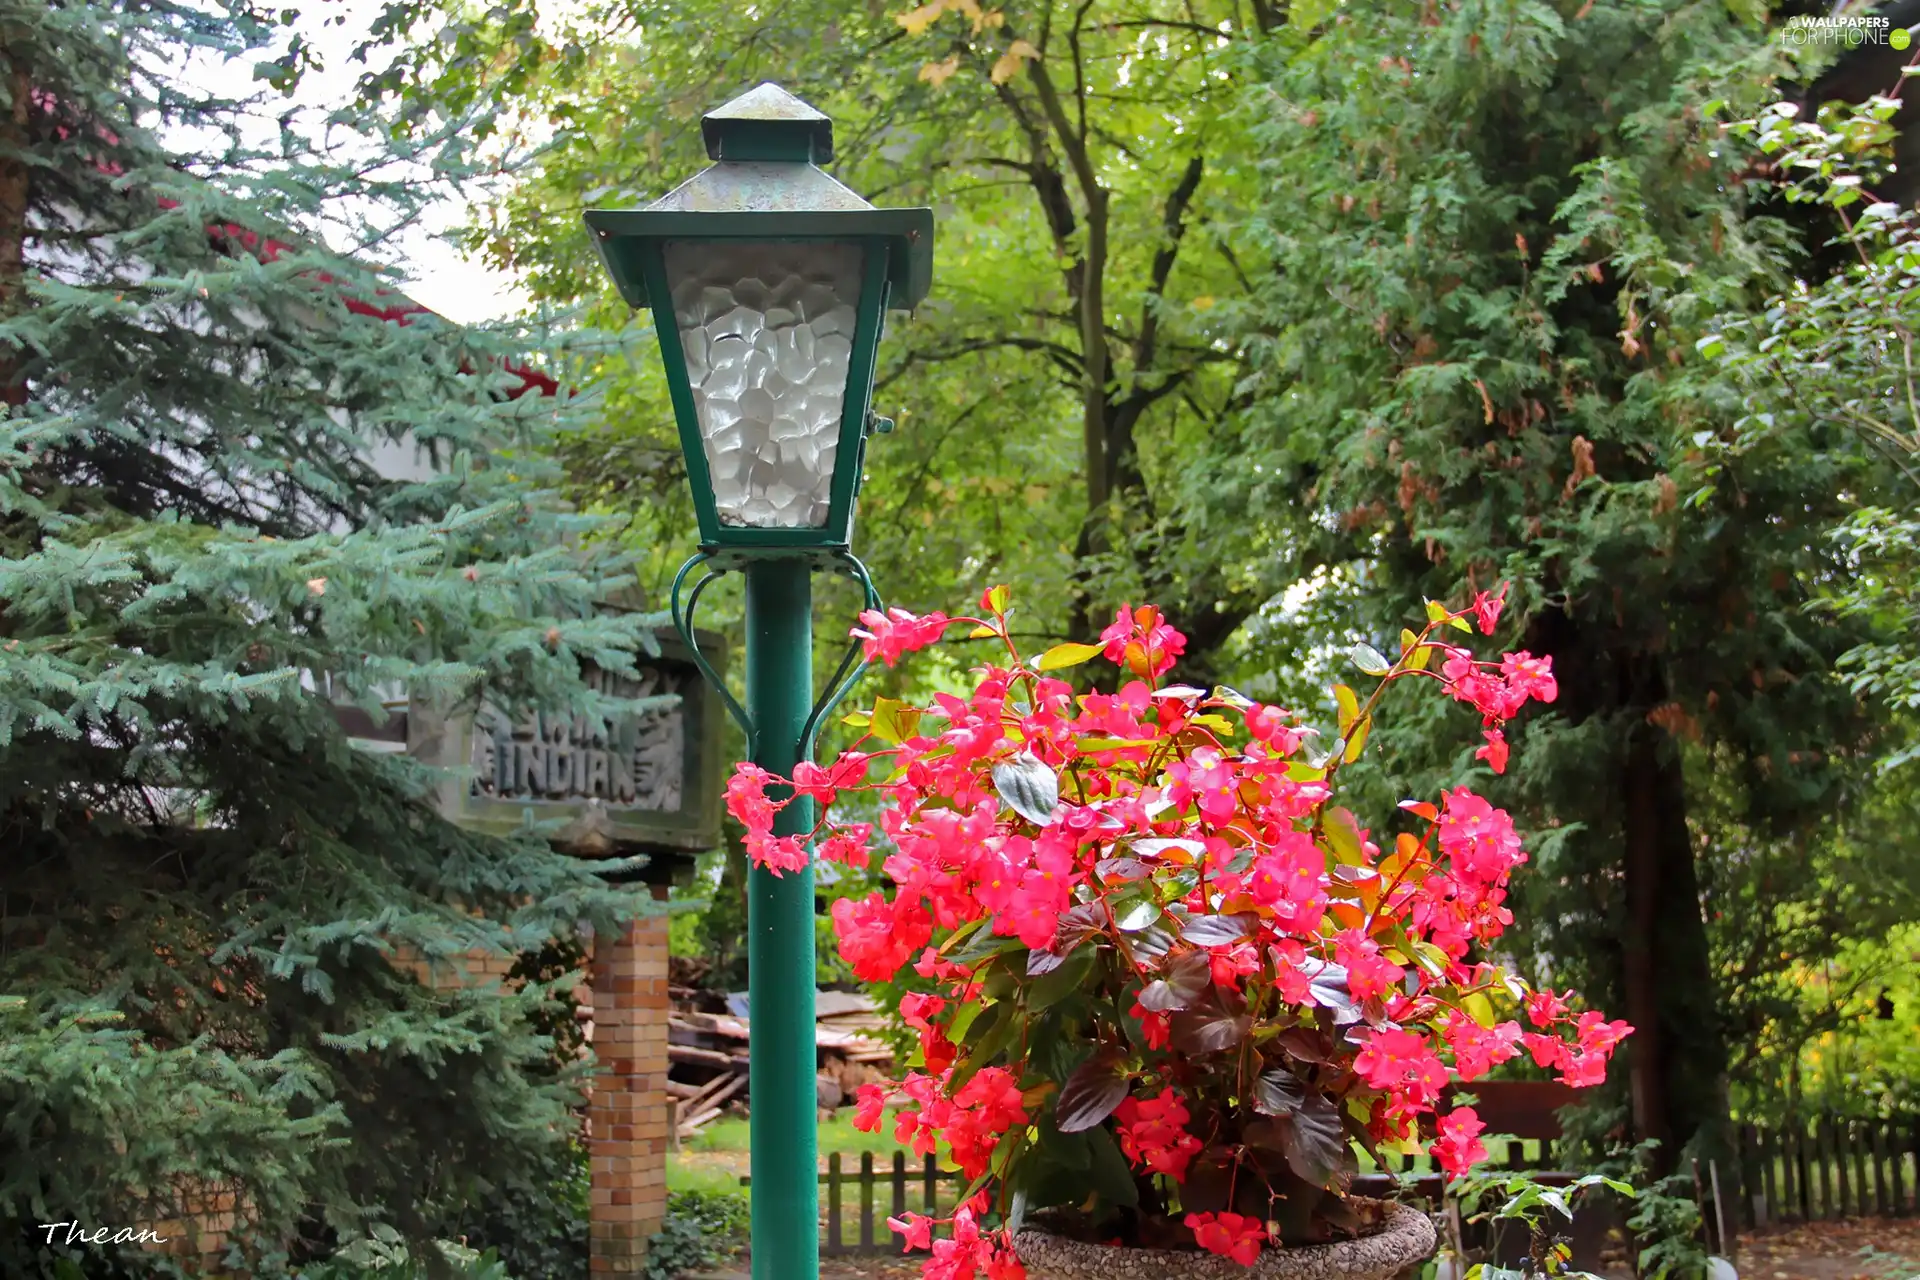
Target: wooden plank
point(1796, 1175)
point(692, 1055)
point(832, 1245)
point(1769, 1207)
point(1521, 1108)
point(1877, 1142)
point(1899, 1172)
point(930, 1172)
point(1844, 1198)
point(1719, 1210)
point(711, 1107)
point(1739, 1176)
point(1829, 1167)
point(866, 1200)
point(899, 1184)
point(682, 1090)
point(1856, 1138)
point(691, 1127)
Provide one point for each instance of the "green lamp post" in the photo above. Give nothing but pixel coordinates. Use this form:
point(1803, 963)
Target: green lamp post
point(768, 281)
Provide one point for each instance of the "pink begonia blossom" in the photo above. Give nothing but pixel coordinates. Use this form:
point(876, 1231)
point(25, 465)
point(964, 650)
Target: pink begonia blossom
point(1458, 1148)
point(1231, 1235)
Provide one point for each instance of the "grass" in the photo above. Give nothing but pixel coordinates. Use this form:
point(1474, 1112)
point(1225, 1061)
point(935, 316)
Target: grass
point(702, 1178)
point(729, 1136)
point(837, 1134)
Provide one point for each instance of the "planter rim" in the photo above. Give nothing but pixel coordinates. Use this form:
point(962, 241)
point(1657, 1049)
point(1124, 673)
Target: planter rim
point(1406, 1237)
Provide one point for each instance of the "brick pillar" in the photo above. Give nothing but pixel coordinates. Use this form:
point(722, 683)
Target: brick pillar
point(630, 1110)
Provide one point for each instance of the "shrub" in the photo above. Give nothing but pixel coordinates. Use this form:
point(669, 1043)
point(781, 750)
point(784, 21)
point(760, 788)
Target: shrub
point(701, 1228)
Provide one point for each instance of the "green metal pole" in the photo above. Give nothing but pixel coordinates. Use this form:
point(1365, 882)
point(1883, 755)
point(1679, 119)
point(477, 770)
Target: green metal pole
point(780, 915)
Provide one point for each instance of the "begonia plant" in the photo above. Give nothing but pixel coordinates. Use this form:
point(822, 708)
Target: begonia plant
point(1166, 989)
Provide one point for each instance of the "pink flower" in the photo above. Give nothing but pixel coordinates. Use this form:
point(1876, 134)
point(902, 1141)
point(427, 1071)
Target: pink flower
point(1153, 1133)
point(1545, 1008)
point(1530, 677)
point(1597, 1035)
point(778, 854)
point(1486, 609)
point(1156, 1029)
point(1369, 974)
point(917, 1009)
point(1547, 1051)
point(1270, 725)
point(895, 632)
point(1142, 642)
point(876, 936)
point(1291, 879)
point(870, 1101)
point(1478, 838)
point(1495, 752)
point(1207, 776)
point(1458, 1148)
point(1477, 1049)
point(915, 1231)
point(1401, 1062)
point(848, 845)
point(746, 795)
point(1231, 1235)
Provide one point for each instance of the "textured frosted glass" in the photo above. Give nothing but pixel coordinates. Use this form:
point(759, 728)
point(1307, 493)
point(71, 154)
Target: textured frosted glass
point(768, 333)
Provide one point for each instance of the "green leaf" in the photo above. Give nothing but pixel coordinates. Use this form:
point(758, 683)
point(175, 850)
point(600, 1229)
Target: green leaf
point(1343, 836)
point(894, 721)
point(1111, 1177)
point(1067, 655)
point(1029, 787)
point(1357, 740)
point(1349, 704)
point(1370, 660)
point(1131, 915)
point(1050, 988)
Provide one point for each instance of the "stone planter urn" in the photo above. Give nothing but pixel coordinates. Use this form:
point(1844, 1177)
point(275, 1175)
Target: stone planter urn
point(1405, 1237)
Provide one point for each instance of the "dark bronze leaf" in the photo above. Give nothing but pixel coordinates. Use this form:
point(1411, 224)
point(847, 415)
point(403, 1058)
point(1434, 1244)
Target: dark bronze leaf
point(1278, 1092)
point(1218, 931)
point(1208, 1032)
point(1090, 1094)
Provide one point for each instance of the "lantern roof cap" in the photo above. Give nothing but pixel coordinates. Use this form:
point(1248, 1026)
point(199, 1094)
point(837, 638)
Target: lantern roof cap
point(765, 183)
point(767, 123)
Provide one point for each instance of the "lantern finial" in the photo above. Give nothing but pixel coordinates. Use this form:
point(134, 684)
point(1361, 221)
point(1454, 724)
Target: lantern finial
point(768, 123)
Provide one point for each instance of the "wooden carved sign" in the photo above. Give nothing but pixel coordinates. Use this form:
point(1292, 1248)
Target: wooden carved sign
point(650, 781)
point(550, 759)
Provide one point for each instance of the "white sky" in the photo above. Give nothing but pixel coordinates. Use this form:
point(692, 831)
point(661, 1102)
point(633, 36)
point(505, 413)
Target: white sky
point(441, 276)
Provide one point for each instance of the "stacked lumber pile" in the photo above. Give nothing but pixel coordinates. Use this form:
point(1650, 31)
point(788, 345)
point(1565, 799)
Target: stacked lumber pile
point(707, 1053)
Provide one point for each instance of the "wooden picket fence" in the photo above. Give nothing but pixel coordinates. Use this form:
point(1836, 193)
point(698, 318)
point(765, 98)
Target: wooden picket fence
point(878, 1194)
point(857, 1200)
point(1823, 1169)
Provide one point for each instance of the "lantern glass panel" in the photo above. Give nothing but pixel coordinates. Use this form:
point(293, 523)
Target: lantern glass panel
point(767, 328)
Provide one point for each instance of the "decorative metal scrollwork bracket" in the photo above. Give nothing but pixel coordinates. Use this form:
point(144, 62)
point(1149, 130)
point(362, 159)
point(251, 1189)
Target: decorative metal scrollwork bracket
point(839, 685)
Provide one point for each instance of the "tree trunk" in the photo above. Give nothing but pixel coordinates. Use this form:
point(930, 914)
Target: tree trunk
point(14, 189)
point(1677, 1053)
